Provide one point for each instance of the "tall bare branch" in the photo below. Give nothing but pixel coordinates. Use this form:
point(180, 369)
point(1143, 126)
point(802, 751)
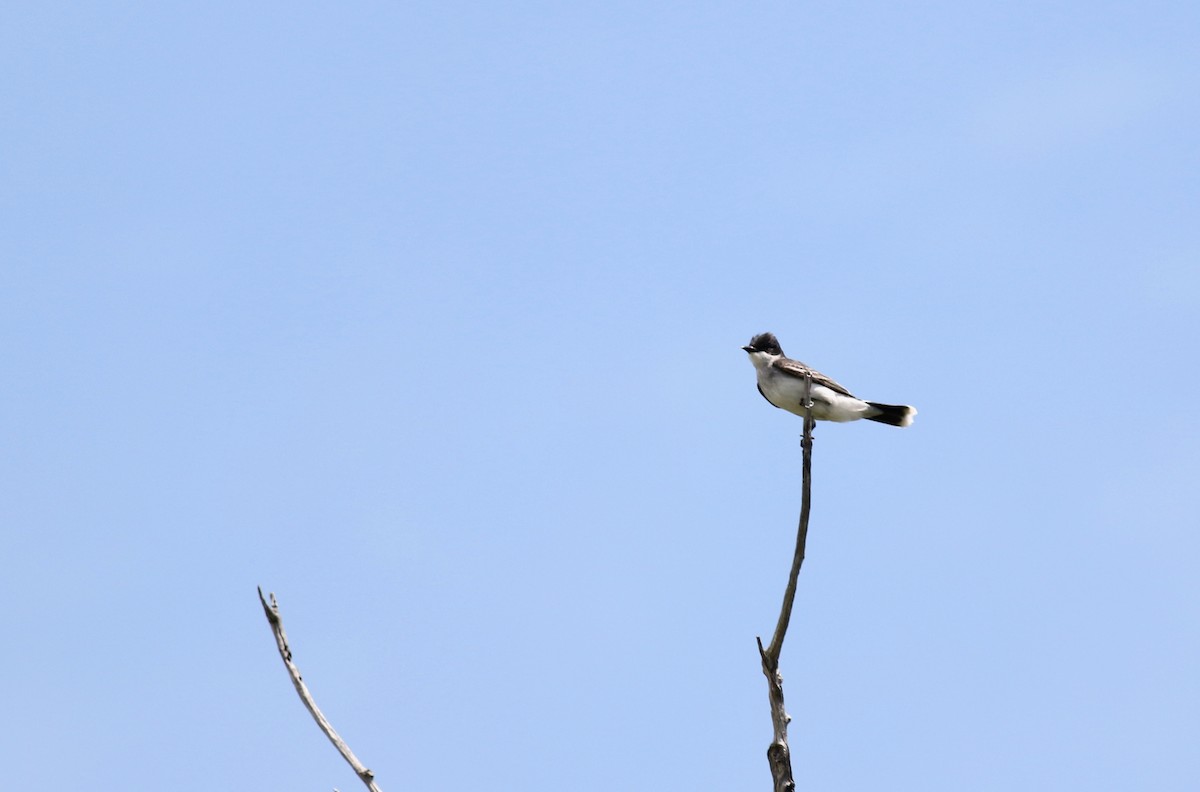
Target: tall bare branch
point(272, 612)
point(778, 754)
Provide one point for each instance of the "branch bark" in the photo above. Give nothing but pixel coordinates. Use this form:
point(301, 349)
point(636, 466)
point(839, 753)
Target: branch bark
point(778, 753)
point(272, 612)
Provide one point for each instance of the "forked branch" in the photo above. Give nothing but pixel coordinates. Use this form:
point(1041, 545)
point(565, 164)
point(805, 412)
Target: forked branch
point(272, 612)
point(778, 754)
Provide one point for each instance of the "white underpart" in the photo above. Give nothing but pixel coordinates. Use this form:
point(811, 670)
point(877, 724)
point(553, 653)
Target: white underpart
point(787, 392)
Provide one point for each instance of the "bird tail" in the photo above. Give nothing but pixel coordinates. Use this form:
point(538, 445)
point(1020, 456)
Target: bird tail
point(892, 414)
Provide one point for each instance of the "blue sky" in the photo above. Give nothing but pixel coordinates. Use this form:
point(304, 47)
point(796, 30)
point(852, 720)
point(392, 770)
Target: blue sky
point(427, 318)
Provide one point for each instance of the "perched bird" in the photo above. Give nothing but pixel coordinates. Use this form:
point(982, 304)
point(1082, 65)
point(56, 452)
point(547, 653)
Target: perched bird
point(781, 382)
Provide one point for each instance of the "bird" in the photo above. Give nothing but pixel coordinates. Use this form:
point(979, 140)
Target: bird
point(781, 382)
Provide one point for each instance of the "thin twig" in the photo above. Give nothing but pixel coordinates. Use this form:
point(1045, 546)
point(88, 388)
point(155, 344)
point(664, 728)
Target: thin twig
point(778, 754)
point(272, 612)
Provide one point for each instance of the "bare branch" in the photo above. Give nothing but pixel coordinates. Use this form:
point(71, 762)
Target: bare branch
point(778, 754)
point(272, 612)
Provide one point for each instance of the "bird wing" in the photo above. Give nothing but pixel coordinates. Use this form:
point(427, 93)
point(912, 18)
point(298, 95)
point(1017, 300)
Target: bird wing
point(794, 368)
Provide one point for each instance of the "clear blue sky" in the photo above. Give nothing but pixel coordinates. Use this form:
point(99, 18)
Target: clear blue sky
point(427, 318)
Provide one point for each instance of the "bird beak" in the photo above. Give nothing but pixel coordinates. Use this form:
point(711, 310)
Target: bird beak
point(747, 349)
